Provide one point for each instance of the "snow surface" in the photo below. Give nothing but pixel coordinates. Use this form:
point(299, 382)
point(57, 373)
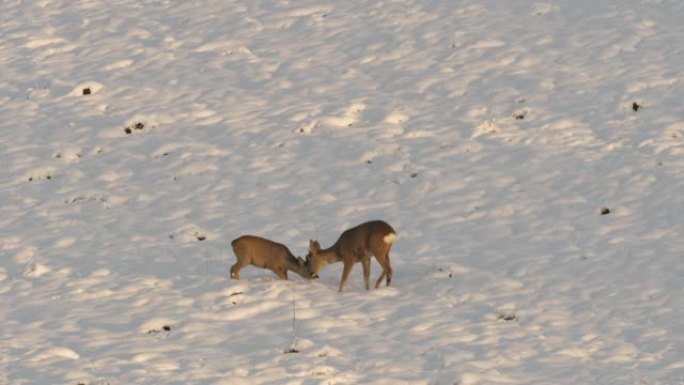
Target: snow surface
point(138, 138)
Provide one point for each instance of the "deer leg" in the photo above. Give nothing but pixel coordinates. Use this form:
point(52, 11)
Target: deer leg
point(280, 272)
point(235, 269)
point(379, 281)
point(348, 264)
point(365, 262)
point(387, 269)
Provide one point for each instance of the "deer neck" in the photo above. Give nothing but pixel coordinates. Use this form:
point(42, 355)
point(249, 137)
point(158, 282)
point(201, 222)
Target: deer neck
point(330, 255)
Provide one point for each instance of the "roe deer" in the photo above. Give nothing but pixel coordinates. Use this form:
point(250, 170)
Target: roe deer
point(357, 244)
point(264, 253)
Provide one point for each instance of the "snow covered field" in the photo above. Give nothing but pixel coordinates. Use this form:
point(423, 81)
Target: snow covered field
point(529, 154)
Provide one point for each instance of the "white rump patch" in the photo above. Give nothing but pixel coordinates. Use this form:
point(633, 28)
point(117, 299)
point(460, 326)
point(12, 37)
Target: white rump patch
point(390, 238)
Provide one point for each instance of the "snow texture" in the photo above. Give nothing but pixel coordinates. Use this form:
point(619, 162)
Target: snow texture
point(530, 156)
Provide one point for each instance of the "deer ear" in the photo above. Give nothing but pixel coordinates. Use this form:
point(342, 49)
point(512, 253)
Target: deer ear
point(301, 262)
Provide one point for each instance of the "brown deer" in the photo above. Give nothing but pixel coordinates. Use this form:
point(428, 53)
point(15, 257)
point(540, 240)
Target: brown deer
point(264, 253)
point(357, 244)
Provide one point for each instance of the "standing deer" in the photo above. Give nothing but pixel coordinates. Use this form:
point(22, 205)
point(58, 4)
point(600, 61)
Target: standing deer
point(357, 244)
point(264, 253)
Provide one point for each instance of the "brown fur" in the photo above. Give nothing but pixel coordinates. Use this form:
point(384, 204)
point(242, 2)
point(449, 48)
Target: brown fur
point(266, 254)
point(357, 244)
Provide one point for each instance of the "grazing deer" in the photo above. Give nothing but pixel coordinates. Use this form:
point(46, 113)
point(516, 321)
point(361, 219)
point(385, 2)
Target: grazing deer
point(261, 252)
point(357, 244)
